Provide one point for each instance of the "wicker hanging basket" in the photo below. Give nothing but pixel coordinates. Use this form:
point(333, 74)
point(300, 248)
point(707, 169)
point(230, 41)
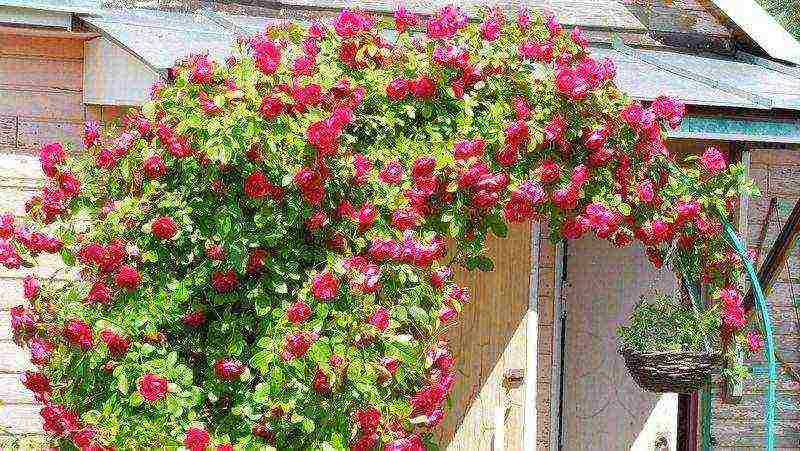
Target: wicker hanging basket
point(671, 372)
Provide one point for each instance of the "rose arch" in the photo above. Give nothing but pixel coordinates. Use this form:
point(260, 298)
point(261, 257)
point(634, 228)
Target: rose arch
point(262, 253)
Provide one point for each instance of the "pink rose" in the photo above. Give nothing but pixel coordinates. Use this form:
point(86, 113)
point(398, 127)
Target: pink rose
point(153, 387)
point(325, 286)
point(380, 319)
point(30, 287)
point(79, 334)
point(713, 161)
point(197, 439)
point(298, 312)
point(154, 166)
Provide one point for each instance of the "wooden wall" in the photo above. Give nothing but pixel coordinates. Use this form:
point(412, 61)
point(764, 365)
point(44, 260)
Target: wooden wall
point(777, 173)
point(488, 341)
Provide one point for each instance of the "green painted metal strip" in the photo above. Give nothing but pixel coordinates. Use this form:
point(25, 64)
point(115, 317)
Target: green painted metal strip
point(705, 405)
point(766, 326)
point(738, 129)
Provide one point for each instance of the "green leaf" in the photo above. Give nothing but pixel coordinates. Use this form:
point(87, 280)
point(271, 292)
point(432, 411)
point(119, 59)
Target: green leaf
point(122, 383)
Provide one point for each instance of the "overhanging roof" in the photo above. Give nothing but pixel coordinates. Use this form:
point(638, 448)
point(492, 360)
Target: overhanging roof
point(762, 28)
point(66, 6)
point(160, 38)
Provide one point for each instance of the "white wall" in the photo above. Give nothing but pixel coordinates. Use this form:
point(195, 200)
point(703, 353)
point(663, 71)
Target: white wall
point(112, 76)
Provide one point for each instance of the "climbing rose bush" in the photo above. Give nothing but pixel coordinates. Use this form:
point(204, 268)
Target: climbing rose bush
point(263, 254)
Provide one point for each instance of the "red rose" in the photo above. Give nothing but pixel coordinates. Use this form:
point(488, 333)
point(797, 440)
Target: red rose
point(669, 109)
point(225, 447)
point(202, 71)
point(224, 282)
point(164, 227)
point(368, 419)
point(423, 167)
point(257, 185)
point(298, 312)
point(549, 171)
point(228, 369)
point(70, 185)
point(392, 173)
point(363, 167)
point(36, 382)
point(366, 216)
point(380, 319)
point(403, 20)
point(79, 334)
point(322, 383)
point(117, 344)
point(398, 89)
point(91, 133)
point(195, 318)
point(99, 293)
point(713, 161)
point(266, 53)
point(128, 277)
point(271, 107)
point(154, 166)
point(153, 387)
point(297, 345)
point(41, 351)
point(366, 442)
point(424, 87)
point(51, 156)
point(197, 439)
point(405, 219)
point(325, 286)
point(30, 287)
point(384, 249)
point(215, 252)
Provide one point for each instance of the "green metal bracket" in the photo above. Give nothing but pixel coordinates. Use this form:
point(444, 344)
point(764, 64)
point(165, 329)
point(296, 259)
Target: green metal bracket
point(766, 327)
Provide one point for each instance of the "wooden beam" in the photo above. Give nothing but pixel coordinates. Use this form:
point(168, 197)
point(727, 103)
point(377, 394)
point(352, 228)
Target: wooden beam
point(47, 33)
point(777, 256)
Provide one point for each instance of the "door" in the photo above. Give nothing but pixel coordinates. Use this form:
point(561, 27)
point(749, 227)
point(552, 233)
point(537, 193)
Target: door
point(601, 406)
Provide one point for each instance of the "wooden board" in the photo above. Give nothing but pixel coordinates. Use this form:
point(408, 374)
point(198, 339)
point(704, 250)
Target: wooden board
point(603, 409)
point(488, 340)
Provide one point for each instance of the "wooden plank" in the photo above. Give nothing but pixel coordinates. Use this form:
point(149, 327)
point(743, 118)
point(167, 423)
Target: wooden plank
point(40, 104)
point(46, 47)
point(41, 72)
point(482, 340)
point(8, 132)
point(21, 418)
point(13, 392)
point(11, 289)
point(34, 133)
point(5, 327)
point(13, 359)
point(777, 255)
point(13, 200)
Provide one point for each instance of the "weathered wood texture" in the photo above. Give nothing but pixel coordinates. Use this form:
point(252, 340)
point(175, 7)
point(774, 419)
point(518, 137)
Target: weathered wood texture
point(488, 340)
point(777, 173)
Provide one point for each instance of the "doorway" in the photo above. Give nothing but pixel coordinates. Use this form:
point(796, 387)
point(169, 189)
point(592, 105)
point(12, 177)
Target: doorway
point(601, 408)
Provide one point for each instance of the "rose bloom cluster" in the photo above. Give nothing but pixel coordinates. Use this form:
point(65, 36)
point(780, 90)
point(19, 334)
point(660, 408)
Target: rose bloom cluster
point(264, 253)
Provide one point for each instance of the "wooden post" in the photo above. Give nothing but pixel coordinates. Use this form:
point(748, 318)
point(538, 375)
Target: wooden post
point(529, 430)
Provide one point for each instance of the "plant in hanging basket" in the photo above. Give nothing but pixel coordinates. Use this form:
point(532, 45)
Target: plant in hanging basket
point(669, 347)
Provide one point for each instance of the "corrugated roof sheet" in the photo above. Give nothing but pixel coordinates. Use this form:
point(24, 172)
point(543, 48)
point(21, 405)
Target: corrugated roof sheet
point(67, 6)
point(782, 89)
point(589, 13)
point(646, 82)
point(160, 38)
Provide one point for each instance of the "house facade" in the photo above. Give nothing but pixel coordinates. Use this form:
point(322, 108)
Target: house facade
point(536, 350)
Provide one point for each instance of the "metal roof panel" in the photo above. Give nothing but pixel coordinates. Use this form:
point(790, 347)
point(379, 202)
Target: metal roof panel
point(67, 6)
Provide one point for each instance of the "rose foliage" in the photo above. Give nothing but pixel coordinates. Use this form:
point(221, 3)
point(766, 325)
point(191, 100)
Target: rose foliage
point(260, 254)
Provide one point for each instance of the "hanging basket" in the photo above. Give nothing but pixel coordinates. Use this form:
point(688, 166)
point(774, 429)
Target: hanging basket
point(671, 372)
